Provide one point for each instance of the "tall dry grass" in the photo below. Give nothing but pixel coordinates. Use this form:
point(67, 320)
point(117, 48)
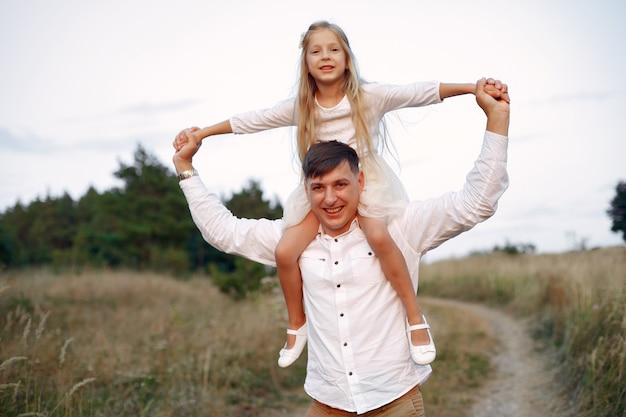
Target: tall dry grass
point(128, 344)
point(578, 302)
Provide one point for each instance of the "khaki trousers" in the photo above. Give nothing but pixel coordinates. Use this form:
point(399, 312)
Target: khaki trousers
point(409, 405)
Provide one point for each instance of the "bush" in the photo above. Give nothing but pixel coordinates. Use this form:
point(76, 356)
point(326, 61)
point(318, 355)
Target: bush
point(170, 261)
point(243, 280)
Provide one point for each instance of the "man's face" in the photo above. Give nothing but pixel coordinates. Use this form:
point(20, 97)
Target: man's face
point(334, 198)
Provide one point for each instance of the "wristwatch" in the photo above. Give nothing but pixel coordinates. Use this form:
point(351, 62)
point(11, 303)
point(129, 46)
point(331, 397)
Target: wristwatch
point(187, 174)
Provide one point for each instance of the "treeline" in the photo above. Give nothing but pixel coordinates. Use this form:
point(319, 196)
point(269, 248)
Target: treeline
point(143, 225)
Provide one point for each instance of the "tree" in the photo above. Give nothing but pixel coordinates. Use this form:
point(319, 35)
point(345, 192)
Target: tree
point(53, 229)
point(232, 274)
point(150, 215)
point(38, 234)
point(249, 203)
point(14, 225)
point(143, 224)
point(617, 212)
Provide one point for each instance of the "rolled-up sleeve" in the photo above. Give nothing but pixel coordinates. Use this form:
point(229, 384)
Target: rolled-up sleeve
point(254, 239)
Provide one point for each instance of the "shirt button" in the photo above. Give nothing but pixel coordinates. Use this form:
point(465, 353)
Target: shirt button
point(345, 344)
point(338, 285)
point(350, 373)
point(340, 314)
point(369, 253)
point(336, 262)
point(336, 240)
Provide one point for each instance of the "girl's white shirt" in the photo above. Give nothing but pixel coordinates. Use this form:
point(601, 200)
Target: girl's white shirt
point(384, 195)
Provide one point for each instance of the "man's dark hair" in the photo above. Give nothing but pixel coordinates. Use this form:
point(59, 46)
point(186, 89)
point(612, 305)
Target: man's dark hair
point(323, 157)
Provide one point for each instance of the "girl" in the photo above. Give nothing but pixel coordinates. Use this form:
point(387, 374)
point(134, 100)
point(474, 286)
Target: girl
point(333, 103)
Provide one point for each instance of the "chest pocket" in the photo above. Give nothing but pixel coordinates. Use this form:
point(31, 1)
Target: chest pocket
point(314, 265)
point(363, 265)
point(355, 263)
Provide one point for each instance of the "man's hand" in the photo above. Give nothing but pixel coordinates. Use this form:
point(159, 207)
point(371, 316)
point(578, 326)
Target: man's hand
point(186, 144)
point(496, 109)
point(182, 138)
point(497, 90)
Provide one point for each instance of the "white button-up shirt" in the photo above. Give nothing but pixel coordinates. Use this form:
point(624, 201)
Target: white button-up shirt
point(358, 356)
point(358, 351)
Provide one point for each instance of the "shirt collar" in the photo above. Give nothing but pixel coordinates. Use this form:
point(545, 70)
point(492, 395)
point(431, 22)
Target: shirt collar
point(353, 226)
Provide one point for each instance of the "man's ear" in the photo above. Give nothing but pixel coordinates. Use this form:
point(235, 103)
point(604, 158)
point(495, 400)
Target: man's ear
point(361, 181)
point(305, 184)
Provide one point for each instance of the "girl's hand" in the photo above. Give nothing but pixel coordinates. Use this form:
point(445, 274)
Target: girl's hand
point(182, 138)
point(496, 89)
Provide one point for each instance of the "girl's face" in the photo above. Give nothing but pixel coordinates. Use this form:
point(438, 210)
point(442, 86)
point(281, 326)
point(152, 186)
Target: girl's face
point(326, 59)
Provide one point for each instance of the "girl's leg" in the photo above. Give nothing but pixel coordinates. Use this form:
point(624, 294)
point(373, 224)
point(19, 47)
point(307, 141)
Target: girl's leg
point(293, 242)
point(394, 266)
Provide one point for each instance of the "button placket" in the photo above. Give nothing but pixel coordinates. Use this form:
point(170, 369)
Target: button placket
point(341, 303)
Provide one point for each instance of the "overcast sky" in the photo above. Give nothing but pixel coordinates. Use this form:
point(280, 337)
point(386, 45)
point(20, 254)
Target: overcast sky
point(83, 83)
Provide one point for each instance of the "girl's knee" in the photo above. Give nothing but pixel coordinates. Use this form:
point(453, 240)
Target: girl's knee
point(285, 255)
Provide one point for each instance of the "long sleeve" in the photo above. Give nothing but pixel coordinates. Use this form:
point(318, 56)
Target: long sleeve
point(281, 115)
point(436, 220)
point(250, 238)
point(389, 97)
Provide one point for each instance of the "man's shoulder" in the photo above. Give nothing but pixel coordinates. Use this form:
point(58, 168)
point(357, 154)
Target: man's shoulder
point(406, 226)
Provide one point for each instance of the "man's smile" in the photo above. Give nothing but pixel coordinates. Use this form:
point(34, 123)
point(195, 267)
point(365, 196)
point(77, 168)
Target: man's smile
point(333, 210)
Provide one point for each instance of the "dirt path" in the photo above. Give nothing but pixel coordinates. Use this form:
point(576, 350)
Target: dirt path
point(523, 385)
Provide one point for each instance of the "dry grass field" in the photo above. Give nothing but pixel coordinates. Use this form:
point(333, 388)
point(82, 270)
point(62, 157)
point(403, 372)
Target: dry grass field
point(129, 344)
point(575, 302)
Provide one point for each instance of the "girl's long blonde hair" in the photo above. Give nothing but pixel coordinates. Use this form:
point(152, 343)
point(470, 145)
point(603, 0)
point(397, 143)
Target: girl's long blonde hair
point(307, 88)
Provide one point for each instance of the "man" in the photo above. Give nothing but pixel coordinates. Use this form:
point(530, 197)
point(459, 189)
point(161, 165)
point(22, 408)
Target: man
point(358, 360)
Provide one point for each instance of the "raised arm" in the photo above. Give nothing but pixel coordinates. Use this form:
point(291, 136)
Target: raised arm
point(280, 115)
point(438, 219)
point(220, 128)
point(492, 87)
point(254, 239)
point(453, 89)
